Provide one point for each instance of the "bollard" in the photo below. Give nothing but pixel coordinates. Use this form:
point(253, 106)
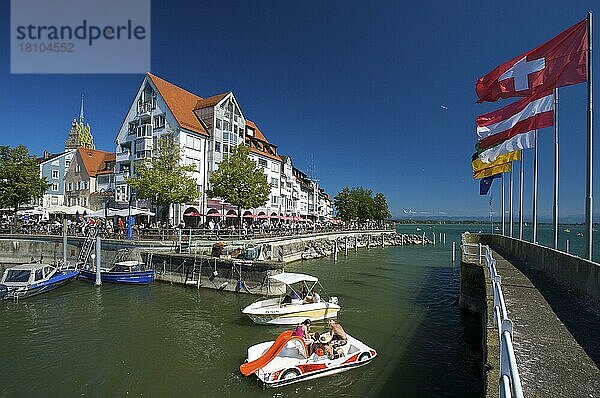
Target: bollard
point(356, 243)
point(368, 241)
point(64, 243)
point(480, 253)
point(434, 238)
point(423, 242)
point(346, 247)
point(382, 241)
point(453, 251)
point(401, 239)
point(335, 251)
point(98, 260)
point(444, 238)
point(567, 246)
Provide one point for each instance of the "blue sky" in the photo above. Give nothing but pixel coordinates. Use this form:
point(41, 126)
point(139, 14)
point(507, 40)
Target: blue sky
point(356, 86)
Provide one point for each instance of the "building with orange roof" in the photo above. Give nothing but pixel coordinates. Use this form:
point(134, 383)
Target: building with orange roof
point(89, 176)
point(207, 129)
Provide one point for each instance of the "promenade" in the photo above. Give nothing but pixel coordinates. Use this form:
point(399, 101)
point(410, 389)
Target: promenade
point(556, 340)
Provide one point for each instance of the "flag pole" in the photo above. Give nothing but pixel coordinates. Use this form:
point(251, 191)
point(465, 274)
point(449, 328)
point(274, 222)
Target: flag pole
point(503, 216)
point(510, 202)
point(522, 174)
point(535, 186)
point(590, 118)
point(555, 207)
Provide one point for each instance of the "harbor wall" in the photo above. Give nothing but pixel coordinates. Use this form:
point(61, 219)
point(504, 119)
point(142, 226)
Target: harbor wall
point(475, 296)
point(579, 275)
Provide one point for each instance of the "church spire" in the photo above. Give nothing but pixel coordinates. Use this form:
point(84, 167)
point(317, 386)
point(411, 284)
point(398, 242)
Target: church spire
point(81, 110)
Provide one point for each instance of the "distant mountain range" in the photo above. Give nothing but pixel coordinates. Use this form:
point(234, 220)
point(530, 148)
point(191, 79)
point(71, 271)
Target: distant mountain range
point(407, 218)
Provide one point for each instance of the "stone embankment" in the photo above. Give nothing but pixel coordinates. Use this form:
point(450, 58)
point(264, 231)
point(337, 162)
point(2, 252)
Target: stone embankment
point(325, 247)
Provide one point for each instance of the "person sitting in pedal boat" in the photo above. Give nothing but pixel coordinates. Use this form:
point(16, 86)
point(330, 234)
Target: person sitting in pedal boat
point(338, 334)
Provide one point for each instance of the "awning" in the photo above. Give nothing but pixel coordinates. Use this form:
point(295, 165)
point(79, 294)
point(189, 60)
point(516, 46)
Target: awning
point(290, 278)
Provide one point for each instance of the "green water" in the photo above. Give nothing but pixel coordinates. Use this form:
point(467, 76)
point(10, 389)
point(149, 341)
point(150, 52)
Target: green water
point(572, 233)
point(168, 341)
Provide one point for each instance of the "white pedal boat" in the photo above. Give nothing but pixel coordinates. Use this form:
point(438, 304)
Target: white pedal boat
point(296, 306)
point(286, 360)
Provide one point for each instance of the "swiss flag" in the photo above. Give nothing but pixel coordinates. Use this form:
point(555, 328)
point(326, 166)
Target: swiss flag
point(559, 62)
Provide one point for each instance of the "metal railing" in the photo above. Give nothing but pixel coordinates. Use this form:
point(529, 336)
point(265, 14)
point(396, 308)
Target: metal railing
point(510, 381)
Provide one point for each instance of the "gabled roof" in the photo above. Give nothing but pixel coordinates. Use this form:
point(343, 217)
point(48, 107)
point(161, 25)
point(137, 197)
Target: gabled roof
point(49, 158)
point(181, 103)
point(95, 160)
point(210, 101)
point(259, 144)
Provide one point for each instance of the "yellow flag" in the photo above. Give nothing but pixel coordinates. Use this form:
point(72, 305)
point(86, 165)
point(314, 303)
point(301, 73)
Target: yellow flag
point(478, 165)
point(490, 171)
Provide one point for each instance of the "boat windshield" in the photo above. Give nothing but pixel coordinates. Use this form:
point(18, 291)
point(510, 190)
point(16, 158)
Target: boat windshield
point(17, 275)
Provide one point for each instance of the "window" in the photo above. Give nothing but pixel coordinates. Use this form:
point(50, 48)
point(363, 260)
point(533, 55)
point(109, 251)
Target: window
point(55, 174)
point(274, 182)
point(275, 167)
point(70, 186)
point(225, 136)
point(85, 185)
point(54, 187)
point(78, 185)
point(217, 146)
point(132, 127)
point(250, 132)
point(218, 123)
point(77, 168)
point(54, 200)
point(39, 275)
point(225, 148)
point(274, 200)
point(84, 200)
point(159, 121)
point(262, 162)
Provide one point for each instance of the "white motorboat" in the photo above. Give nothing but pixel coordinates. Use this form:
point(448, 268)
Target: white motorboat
point(300, 303)
point(287, 360)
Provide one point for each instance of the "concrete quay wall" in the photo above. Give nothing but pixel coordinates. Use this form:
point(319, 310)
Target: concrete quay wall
point(580, 275)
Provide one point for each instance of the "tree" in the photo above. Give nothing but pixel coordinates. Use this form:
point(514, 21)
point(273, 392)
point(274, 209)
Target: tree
point(240, 181)
point(163, 179)
point(344, 205)
point(381, 210)
point(364, 203)
point(20, 180)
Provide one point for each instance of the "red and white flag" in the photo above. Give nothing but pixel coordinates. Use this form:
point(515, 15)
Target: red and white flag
point(527, 114)
point(561, 61)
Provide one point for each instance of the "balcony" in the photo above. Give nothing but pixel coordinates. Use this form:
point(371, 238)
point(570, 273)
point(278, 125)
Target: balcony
point(145, 108)
point(145, 130)
point(120, 177)
point(123, 156)
point(143, 144)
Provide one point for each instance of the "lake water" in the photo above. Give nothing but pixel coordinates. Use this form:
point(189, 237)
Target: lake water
point(167, 340)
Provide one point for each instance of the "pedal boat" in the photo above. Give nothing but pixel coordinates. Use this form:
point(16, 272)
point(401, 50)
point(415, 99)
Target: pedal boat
point(28, 280)
point(286, 310)
point(287, 360)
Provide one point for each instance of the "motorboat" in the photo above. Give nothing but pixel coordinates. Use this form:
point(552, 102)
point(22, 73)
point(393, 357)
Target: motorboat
point(28, 280)
point(302, 301)
point(567, 230)
point(287, 360)
point(128, 268)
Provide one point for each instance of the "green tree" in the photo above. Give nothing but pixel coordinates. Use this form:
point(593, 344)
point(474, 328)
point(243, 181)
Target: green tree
point(344, 205)
point(20, 180)
point(163, 179)
point(240, 181)
point(354, 204)
point(381, 211)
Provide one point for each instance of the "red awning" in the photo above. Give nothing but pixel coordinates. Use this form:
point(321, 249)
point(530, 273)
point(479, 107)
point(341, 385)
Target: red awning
point(193, 214)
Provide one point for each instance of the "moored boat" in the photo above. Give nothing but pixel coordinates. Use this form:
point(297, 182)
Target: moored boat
point(287, 360)
point(301, 302)
point(127, 269)
point(28, 280)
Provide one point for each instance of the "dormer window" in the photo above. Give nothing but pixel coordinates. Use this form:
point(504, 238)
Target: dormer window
point(250, 131)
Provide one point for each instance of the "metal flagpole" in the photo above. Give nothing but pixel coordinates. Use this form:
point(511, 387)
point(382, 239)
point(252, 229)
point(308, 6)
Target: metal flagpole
point(503, 214)
point(590, 117)
point(510, 202)
point(555, 207)
point(522, 174)
point(535, 184)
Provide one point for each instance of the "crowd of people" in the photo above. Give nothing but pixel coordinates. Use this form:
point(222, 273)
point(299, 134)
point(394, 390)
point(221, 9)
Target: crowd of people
point(116, 227)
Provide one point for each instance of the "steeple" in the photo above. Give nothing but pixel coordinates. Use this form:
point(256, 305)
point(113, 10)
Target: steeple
point(79, 134)
point(81, 110)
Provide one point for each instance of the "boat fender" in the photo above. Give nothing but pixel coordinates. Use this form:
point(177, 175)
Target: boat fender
point(3, 291)
point(238, 286)
point(222, 285)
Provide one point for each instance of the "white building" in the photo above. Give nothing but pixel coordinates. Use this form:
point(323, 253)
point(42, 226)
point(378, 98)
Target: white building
point(206, 129)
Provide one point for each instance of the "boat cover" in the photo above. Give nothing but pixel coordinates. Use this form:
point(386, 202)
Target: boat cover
point(290, 278)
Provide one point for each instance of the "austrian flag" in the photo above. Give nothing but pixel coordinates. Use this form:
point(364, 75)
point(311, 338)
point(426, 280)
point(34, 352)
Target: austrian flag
point(561, 61)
